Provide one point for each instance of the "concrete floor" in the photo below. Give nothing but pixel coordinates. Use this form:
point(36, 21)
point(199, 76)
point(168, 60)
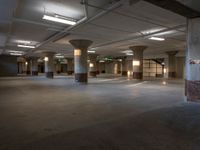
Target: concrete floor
point(107, 114)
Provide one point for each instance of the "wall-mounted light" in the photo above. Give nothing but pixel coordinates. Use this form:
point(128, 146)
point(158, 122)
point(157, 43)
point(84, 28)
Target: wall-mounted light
point(165, 70)
point(26, 63)
point(46, 59)
point(136, 63)
point(91, 65)
point(60, 19)
point(25, 46)
point(77, 52)
point(156, 38)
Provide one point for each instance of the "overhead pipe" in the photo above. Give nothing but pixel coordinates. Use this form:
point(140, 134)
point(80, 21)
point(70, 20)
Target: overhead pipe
point(85, 20)
point(140, 36)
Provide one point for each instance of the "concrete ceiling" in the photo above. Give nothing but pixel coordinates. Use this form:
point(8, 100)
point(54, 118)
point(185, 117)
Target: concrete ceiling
point(112, 25)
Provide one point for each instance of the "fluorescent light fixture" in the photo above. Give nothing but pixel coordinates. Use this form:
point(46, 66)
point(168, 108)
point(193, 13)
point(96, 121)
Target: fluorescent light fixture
point(23, 41)
point(59, 56)
point(89, 51)
point(129, 54)
point(156, 38)
point(127, 51)
point(26, 46)
point(58, 19)
point(101, 61)
point(16, 54)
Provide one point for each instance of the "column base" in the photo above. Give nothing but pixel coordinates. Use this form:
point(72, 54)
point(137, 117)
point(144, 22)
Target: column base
point(192, 90)
point(34, 73)
point(49, 75)
point(70, 72)
point(81, 77)
point(138, 75)
point(93, 73)
point(124, 73)
point(172, 74)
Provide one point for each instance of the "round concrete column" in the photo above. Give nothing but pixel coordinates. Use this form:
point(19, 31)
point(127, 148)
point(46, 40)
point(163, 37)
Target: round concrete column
point(172, 63)
point(138, 61)
point(93, 65)
point(49, 64)
point(70, 66)
point(80, 59)
point(34, 66)
point(192, 87)
point(119, 67)
point(124, 67)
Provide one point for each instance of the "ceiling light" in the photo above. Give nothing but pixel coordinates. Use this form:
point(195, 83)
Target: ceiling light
point(26, 46)
point(101, 61)
point(89, 51)
point(59, 56)
point(59, 19)
point(16, 54)
point(23, 41)
point(129, 54)
point(156, 38)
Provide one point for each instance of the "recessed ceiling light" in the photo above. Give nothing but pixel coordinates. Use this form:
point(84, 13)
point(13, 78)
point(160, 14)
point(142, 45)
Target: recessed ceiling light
point(26, 46)
point(59, 19)
point(156, 39)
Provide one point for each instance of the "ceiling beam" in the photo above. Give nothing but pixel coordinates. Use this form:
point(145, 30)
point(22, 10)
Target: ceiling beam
point(176, 7)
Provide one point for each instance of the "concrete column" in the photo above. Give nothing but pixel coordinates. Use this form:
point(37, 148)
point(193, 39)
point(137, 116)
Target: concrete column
point(98, 67)
point(49, 64)
point(70, 66)
point(93, 65)
point(28, 66)
point(124, 67)
point(138, 61)
point(119, 66)
point(192, 88)
point(172, 63)
point(34, 66)
point(80, 59)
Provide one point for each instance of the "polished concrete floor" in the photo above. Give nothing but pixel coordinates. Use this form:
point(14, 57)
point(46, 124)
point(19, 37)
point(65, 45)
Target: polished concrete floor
point(109, 113)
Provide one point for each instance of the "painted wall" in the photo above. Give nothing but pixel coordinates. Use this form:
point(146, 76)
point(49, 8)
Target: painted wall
point(8, 65)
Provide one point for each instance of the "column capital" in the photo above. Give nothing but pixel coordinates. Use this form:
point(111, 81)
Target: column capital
point(171, 52)
point(80, 43)
point(138, 48)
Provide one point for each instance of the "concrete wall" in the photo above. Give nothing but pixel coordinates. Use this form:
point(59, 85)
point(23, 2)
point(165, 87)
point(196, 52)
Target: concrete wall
point(8, 65)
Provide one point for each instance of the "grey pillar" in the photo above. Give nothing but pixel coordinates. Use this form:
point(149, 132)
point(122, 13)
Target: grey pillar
point(34, 66)
point(124, 67)
point(70, 66)
point(49, 64)
point(80, 59)
point(172, 63)
point(192, 87)
point(28, 66)
point(93, 65)
point(138, 61)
